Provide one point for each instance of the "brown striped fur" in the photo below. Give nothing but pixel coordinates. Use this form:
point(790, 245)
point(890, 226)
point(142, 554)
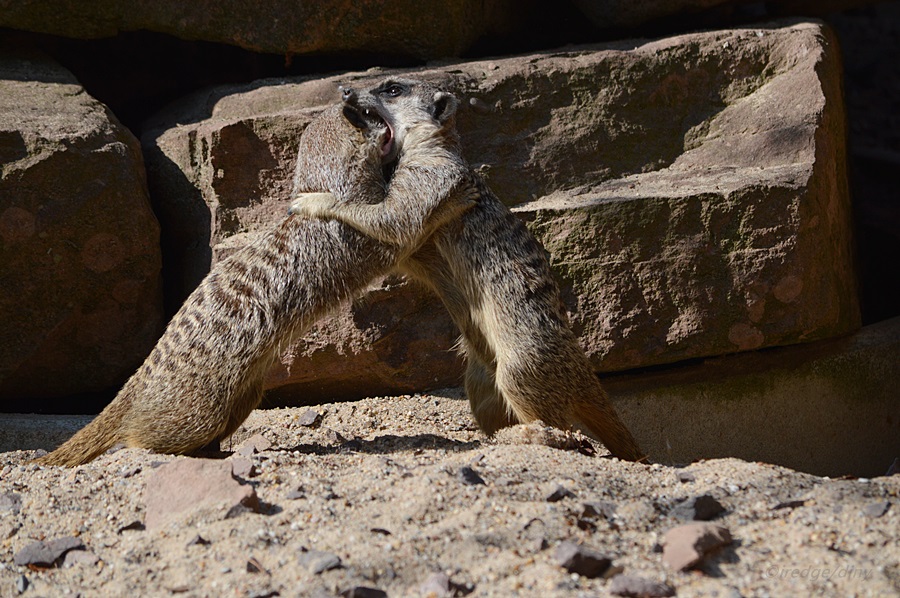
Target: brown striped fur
point(524, 362)
point(206, 373)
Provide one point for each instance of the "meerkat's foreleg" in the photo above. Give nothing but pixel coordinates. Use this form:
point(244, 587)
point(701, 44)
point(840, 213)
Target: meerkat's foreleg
point(308, 203)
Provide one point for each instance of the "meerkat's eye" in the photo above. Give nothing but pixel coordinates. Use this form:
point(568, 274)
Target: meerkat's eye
point(393, 90)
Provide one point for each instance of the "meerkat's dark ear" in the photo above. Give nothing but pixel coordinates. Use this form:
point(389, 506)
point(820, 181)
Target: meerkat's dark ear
point(443, 106)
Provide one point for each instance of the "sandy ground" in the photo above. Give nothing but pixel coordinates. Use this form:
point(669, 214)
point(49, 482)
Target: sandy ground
point(376, 495)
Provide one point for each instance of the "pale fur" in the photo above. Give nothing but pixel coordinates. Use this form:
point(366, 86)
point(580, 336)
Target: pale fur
point(206, 373)
point(524, 362)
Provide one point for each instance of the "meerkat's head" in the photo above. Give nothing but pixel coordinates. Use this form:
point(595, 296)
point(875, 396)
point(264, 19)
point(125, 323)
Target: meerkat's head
point(367, 128)
point(399, 104)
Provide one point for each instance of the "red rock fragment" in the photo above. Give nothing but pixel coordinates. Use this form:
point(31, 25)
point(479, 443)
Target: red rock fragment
point(686, 546)
point(185, 485)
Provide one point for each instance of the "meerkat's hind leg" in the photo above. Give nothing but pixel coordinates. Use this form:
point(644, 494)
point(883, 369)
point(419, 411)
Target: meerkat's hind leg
point(310, 203)
point(594, 415)
point(491, 412)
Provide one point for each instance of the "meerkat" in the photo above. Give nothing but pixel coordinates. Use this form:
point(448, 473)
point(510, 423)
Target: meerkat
point(205, 375)
point(523, 362)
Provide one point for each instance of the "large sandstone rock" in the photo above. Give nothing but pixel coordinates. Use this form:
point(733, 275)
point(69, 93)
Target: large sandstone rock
point(405, 28)
point(79, 251)
point(691, 191)
point(615, 14)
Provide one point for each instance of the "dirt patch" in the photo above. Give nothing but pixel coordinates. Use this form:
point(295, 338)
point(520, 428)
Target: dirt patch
point(404, 495)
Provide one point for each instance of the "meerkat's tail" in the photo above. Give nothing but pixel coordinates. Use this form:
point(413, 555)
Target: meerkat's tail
point(600, 420)
point(91, 441)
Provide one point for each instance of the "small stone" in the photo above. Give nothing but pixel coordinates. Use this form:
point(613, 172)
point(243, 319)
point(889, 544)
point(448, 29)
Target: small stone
point(133, 526)
point(381, 531)
point(80, 557)
point(254, 566)
point(558, 493)
point(21, 584)
point(241, 467)
point(199, 540)
point(538, 545)
point(639, 587)
point(128, 472)
point(686, 477)
point(575, 558)
point(256, 443)
point(46, 554)
point(599, 508)
point(789, 504)
point(687, 545)
point(586, 524)
point(363, 592)
point(309, 418)
point(876, 510)
point(437, 586)
point(334, 437)
point(297, 493)
point(698, 508)
point(469, 476)
point(10, 501)
point(318, 561)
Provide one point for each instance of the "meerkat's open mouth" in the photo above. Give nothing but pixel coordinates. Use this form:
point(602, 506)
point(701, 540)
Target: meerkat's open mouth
point(370, 118)
point(387, 138)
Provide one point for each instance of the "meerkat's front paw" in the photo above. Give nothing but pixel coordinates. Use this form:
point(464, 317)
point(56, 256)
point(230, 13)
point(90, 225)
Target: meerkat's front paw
point(312, 204)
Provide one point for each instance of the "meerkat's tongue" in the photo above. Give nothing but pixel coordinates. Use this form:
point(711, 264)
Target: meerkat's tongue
point(387, 144)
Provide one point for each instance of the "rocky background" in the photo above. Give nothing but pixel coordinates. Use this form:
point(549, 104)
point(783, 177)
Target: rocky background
point(713, 180)
point(686, 165)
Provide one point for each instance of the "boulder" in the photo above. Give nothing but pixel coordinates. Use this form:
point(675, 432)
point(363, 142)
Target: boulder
point(618, 14)
point(691, 191)
point(80, 262)
point(281, 27)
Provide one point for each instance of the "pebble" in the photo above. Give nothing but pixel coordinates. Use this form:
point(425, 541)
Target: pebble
point(558, 493)
point(297, 493)
point(11, 502)
point(685, 477)
point(599, 508)
point(437, 586)
point(789, 504)
point(639, 587)
point(582, 560)
point(687, 545)
point(47, 554)
point(254, 566)
point(876, 509)
point(538, 545)
point(199, 540)
point(21, 584)
point(127, 472)
point(309, 418)
point(333, 436)
point(318, 561)
point(242, 467)
point(363, 592)
point(133, 526)
point(80, 557)
point(698, 508)
point(256, 443)
point(469, 476)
